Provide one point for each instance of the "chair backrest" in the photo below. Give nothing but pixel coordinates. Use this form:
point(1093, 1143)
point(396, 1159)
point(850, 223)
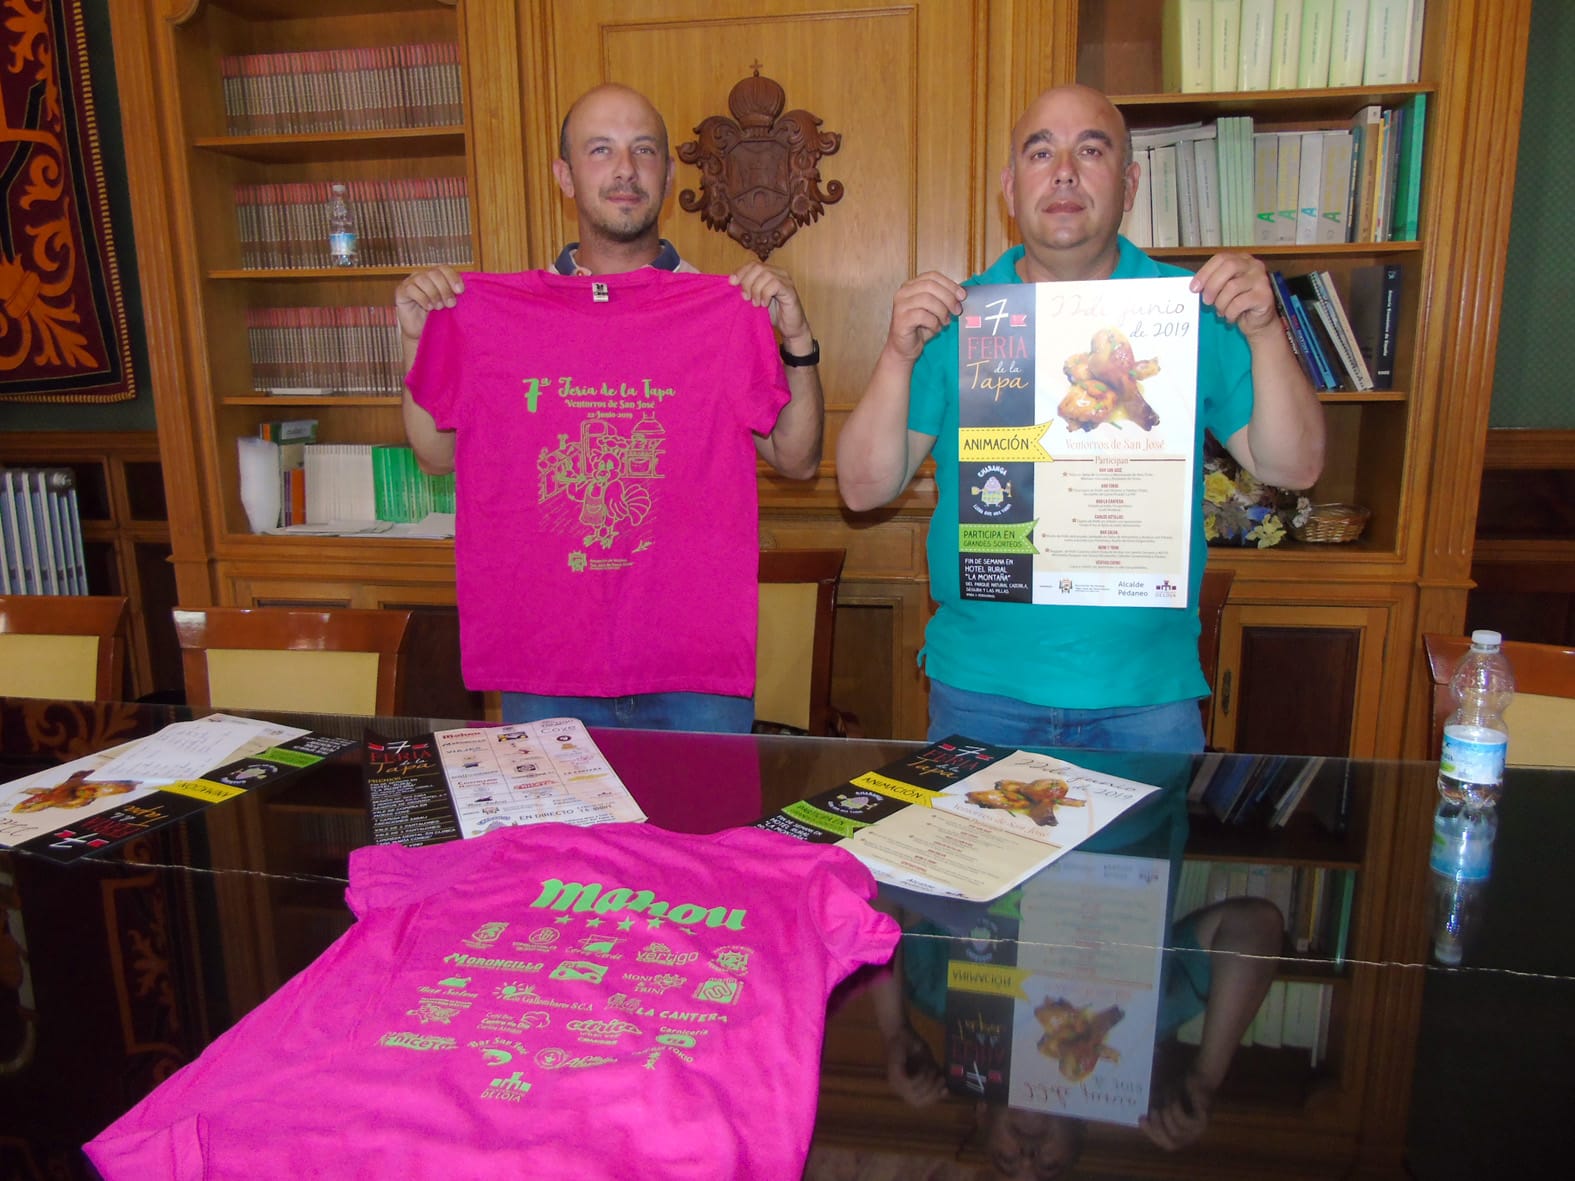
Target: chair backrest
point(798, 602)
point(1211, 609)
point(68, 646)
point(1541, 719)
point(339, 660)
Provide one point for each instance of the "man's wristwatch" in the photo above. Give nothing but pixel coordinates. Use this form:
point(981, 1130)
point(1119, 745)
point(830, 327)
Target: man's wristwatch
point(810, 358)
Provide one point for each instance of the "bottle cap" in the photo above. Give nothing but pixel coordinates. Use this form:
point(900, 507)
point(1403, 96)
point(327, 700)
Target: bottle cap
point(1482, 638)
point(341, 188)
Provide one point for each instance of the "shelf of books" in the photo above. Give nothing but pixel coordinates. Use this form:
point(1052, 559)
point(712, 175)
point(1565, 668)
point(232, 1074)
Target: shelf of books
point(287, 103)
point(1296, 131)
point(1290, 831)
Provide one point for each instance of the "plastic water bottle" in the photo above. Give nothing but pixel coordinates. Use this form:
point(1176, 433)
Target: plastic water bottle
point(1471, 765)
point(1461, 861)
point(341, 229)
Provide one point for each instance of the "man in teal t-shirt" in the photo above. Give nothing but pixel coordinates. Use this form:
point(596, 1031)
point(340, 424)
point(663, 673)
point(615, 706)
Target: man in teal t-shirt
point(1035, 674)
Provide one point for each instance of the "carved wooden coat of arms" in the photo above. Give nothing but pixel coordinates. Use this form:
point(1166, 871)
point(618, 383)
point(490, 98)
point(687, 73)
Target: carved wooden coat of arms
point(759, 170)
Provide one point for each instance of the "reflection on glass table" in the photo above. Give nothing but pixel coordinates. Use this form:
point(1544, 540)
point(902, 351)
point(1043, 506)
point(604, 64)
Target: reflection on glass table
point(117, 969)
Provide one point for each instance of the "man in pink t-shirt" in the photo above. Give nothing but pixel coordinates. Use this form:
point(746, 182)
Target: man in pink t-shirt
point(603, 419)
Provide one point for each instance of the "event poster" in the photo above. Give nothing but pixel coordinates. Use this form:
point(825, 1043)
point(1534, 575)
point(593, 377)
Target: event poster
point(1076, 442)
point(1062, 1017)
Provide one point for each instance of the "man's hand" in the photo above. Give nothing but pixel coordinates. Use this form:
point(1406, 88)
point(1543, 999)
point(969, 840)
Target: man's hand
point(1238, 287)
point(911, 1070)
point(423, 292)
point(1180, 1119)
point(771, 287)
point(923, 306)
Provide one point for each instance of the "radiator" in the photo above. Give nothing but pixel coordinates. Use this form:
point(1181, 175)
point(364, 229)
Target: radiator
point(40, 533)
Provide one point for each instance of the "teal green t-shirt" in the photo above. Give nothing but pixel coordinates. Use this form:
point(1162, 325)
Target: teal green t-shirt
point(1069, 657)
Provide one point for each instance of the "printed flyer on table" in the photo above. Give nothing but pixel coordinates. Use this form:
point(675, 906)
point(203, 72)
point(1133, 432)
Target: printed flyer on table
point(102, 800)
point(962, 819)
point(462, 783)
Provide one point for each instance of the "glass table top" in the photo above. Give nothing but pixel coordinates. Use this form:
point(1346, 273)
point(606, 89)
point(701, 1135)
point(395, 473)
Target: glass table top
point(1261, 995)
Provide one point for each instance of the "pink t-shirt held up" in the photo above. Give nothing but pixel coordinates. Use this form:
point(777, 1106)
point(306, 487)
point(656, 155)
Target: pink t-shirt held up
point(544, 1001)
point(607, 537)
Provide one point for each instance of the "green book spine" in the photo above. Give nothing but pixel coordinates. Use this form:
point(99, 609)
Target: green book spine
point(1408, 189)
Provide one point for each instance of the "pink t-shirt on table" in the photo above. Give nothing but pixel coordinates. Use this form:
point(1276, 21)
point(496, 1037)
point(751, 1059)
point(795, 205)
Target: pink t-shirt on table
point(544, 1001)
point(607, 539)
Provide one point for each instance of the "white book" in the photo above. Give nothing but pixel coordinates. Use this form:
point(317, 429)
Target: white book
point(1225, 176)
point(1257, 42)
point(1156, 137)
point(1285, 52)
point(1355, 364)
point(1325, 1015)
point(1138, 226)
point(1207, 178)
point(1282, 891)
point(1230, 182)
point(1164, 200)
point(1309, 188)
point(1246, 181)
point(1186, 38)
point(1289, 187)
point(1348, 43)
point(1225, 43)
point(1334, 202)
point(1265, 186)
point(1312, 70)
point(1187, 191)
point(1413, 42)
point(1300, 1027)
point(1388, 36)
point(1268, 1027)
point(1341, 363)
point(1191, 887)
point(1249, 208)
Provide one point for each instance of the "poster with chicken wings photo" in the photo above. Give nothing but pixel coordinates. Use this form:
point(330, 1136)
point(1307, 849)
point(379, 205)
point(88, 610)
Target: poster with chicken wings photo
point(1060, 1015)
point(1077, 443)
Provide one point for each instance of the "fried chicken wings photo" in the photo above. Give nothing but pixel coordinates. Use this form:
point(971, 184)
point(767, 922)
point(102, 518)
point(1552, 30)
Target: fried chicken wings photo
point(1075, 1037)
point(1037, 800)
point(75, 792)
point(1107, 385)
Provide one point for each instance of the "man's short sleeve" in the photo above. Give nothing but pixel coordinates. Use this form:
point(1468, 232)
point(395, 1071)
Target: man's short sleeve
point(434, 380)
point(934, 375)
point(1226, 377)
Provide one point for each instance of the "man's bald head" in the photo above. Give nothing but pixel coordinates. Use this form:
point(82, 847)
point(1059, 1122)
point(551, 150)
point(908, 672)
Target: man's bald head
point(597, 93)
point(1103, 112)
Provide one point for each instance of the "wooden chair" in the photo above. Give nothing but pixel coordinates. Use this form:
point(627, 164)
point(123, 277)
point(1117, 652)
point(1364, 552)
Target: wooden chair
point(1211, 609)
point(798, 602)
point(337, 660)
point(1542, 717)
point(66, 646)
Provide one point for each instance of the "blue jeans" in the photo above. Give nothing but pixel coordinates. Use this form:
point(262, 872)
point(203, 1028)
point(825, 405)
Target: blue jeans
point(1005, 721)
point(707, 712)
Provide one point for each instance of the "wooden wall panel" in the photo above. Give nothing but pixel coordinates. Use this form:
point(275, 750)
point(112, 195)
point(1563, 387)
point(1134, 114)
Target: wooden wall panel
point(905, 161)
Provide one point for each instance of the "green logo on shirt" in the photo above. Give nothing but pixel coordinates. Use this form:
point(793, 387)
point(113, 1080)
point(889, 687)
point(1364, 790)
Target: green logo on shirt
point(560, 895)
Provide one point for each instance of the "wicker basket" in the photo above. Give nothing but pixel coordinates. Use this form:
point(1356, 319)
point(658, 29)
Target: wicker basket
point(1332, 522)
